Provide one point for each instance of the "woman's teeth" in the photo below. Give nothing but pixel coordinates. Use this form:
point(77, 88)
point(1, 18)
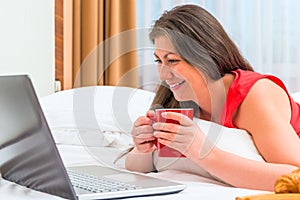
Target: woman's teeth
point(176, 84)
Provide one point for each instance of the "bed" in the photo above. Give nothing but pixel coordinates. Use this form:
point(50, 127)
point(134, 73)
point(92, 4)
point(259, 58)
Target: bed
point(91, 125)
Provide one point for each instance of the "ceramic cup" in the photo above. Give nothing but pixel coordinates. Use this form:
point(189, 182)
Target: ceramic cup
point(162, 150)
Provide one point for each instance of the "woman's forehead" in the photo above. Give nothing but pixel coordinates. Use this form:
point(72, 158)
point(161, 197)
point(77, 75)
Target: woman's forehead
point(163, 43)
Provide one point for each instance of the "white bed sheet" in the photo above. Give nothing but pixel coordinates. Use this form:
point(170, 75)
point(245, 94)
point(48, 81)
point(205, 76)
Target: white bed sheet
point(197, 187)
point(59, 112)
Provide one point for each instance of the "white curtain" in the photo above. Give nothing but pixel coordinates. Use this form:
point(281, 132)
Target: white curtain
point(267, 33)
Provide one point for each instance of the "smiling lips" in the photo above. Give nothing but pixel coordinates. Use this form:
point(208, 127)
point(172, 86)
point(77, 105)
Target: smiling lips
point(176, 84)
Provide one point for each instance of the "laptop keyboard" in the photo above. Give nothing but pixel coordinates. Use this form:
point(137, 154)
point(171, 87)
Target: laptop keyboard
point(96, 184)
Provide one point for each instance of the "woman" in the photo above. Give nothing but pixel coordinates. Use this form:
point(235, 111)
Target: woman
point(198, 62)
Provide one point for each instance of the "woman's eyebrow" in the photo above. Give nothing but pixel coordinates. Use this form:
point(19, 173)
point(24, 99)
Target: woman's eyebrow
point(155, 55)
point(165, 56)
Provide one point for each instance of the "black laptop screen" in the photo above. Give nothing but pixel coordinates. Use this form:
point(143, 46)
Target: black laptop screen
point(28, 155)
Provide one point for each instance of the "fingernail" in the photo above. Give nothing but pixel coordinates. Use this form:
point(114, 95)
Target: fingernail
point(154, 125)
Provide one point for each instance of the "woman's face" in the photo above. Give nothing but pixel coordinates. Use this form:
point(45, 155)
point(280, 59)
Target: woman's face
point(184, 80)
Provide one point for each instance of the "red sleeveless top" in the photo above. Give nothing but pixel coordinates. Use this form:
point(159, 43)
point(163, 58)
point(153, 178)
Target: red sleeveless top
point(243, 82)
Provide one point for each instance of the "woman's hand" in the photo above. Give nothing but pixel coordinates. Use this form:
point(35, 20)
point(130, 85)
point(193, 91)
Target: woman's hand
point(142, 133)
point(186, 137)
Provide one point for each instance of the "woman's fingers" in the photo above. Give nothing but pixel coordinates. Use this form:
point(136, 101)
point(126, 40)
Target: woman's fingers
point(142, 132)
point(182, 119)
point(151, 115)
point(167, 136)
point(142, 121)
point(142, 129)
point(145, 137)
point(167, 127)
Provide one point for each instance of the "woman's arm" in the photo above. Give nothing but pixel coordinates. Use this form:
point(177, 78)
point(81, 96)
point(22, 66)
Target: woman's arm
point(242, 172)
point(139, 161)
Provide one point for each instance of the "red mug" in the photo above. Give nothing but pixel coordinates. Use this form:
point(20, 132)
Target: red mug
point(162, 150)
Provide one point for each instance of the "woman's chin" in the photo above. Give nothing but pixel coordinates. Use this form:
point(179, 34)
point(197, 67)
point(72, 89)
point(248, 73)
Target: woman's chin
point(179, 97)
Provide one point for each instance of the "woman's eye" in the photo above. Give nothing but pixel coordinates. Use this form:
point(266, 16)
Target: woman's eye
point(157, 61)
point(172, 61)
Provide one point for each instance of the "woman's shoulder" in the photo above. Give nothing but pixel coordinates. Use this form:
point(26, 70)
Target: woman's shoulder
point(245, 80)
point(260, 86)
point(251, 88)
point(255, 89)
point(265, 98)
point(265, 90)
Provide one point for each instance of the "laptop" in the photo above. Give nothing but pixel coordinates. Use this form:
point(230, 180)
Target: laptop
point(29, 156)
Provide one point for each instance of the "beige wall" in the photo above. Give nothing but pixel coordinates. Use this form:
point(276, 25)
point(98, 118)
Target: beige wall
point(27, 41)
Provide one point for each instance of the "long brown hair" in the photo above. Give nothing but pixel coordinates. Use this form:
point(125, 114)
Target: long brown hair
point(201, 41)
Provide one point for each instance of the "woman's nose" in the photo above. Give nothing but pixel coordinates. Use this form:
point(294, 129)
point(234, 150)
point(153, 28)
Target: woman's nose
point(164, 72)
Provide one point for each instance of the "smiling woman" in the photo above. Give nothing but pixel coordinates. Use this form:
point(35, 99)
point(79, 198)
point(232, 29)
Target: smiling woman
point(175, 71)
point(199, 63)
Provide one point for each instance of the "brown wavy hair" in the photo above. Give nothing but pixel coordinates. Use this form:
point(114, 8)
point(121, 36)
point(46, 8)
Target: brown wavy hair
point(201, 41)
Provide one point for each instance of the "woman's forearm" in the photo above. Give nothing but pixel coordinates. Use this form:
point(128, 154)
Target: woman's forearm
point(140, 162)
point(242, 172)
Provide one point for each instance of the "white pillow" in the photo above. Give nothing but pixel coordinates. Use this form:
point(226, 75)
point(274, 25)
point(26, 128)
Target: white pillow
point(84, 115)
point(236, 141)
point(296, 96)
point(232, 140)
point(103, 116)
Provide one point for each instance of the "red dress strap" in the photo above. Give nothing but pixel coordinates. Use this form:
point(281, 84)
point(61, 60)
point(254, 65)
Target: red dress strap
point(240, 87)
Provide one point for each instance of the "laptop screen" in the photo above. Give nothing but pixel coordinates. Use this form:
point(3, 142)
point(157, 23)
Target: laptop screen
point(27, 151)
